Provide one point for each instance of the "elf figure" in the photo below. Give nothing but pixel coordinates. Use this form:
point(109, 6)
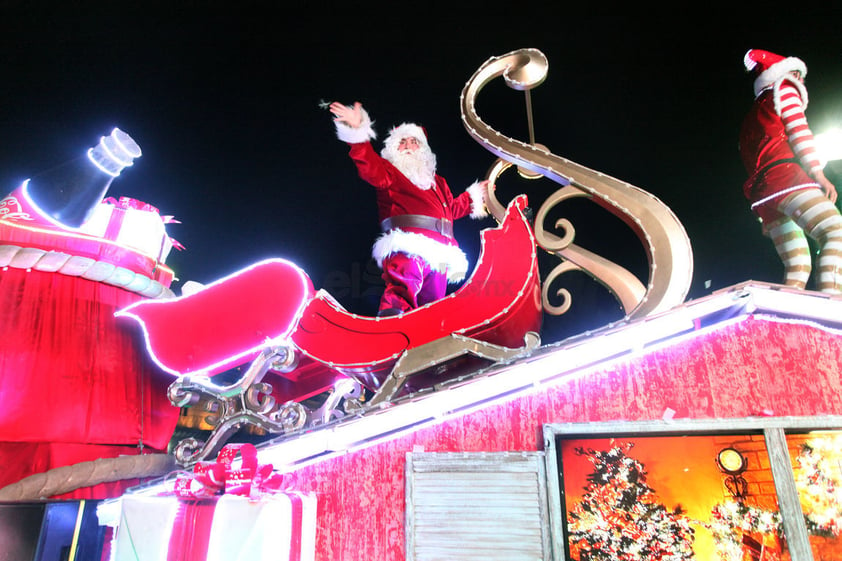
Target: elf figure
point(787, 188)
point(417, 251)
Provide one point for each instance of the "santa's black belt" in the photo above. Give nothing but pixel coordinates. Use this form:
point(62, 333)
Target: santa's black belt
point(441, 225)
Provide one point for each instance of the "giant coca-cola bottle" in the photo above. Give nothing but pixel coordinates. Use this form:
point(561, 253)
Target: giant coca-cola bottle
point(69, 192)
point(63, 277)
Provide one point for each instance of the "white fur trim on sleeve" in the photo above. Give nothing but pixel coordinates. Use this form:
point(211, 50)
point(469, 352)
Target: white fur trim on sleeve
point(351, 135)
point(478, 198)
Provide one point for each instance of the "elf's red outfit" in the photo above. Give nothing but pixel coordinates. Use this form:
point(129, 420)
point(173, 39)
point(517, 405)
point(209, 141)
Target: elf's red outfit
point(776, 144)
point(417, 251)
point(786, 185)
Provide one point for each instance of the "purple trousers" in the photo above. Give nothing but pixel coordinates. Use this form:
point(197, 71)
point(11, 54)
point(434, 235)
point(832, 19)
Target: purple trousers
point(410, 283)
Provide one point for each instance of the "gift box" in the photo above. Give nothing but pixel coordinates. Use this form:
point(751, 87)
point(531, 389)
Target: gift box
point(251, 520)
point(132, 223)
point(280, 527)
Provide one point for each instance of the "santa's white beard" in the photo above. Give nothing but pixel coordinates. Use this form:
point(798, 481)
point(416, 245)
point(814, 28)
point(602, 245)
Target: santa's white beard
point(419, 166)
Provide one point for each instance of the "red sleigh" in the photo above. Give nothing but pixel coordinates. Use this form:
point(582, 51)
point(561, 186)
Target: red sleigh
point(270, 318)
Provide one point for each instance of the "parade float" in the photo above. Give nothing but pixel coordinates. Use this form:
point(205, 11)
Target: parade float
point(443, 433)
point(495, 316)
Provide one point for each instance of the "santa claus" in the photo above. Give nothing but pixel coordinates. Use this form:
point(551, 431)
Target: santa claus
point(787, 188)
point(417, 251)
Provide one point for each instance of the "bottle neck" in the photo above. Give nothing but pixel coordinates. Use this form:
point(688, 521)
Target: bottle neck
point(114, 153)
point(68, 194)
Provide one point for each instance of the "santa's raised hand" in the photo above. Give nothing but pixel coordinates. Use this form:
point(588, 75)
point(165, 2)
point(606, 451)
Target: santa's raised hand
point(351, 116)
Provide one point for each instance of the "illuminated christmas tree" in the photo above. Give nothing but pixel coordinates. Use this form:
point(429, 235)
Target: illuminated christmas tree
point(732, 520)
point(817, 477)
point(619, 516)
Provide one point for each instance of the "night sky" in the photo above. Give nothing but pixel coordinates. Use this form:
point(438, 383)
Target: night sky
point(225, 105)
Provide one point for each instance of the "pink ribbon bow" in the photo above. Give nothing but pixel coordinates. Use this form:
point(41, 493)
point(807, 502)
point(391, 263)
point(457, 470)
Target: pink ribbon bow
point(209, 479)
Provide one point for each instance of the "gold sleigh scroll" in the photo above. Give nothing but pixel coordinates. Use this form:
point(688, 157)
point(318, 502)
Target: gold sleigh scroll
point(664, 238)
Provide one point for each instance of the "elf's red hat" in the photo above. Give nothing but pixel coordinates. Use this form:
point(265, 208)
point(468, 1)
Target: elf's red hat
point(770, 67)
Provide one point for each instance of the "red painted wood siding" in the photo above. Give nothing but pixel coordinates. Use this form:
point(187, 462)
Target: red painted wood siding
point(755, 367)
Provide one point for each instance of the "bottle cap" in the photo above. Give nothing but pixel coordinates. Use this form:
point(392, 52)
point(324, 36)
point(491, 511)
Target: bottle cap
point(114, 152)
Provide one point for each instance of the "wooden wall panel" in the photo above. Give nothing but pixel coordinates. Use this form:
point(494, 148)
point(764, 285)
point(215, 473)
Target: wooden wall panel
point(755, 367)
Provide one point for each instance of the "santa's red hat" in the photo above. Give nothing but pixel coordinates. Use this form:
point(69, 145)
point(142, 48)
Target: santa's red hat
point(770, 68)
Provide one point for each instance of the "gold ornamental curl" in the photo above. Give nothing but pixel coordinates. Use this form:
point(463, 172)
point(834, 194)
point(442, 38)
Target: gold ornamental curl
point(662, 235)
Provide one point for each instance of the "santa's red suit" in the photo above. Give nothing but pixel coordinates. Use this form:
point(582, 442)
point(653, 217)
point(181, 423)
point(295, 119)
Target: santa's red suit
point(417, 250)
